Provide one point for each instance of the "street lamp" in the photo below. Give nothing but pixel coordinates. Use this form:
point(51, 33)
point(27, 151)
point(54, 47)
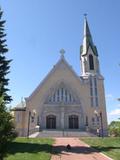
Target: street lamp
point(99, 114)
point(29, 118)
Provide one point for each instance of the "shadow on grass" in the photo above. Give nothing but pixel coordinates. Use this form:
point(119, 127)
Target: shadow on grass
point(105, 149)
point(82, 149)
point(19, 147)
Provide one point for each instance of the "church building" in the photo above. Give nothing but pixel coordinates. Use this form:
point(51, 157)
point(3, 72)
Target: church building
point(65, 100)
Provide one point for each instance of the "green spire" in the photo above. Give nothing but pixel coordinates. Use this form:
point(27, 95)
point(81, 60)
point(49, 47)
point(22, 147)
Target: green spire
point(87, 34)
point(87, 40)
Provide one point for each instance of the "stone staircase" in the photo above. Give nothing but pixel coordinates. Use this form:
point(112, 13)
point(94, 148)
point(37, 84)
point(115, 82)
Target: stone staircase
point(64, 133)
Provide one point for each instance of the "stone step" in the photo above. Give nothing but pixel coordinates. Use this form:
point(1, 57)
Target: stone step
point(51, 133)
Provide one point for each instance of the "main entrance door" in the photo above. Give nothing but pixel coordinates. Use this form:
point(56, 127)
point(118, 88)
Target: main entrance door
point(73, 122)
point(51, 122)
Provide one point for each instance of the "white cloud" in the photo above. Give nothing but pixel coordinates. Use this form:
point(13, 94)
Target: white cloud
point(109, 96)
point(118, 105)
point(115, 112)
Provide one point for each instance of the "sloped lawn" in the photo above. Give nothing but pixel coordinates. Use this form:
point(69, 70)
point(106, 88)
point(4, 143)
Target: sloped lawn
point(30, 149)
point(109, 146)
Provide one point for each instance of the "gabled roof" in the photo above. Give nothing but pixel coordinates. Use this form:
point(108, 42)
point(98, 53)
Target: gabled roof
point(94, 49)
point(61, 60)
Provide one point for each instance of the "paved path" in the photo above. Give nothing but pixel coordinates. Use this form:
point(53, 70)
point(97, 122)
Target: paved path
point(79, 150)
point(34, 135)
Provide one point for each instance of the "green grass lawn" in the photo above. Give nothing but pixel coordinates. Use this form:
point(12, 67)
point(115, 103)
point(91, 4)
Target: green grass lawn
point(41, 148)
point(109, 146)
point(30, 149)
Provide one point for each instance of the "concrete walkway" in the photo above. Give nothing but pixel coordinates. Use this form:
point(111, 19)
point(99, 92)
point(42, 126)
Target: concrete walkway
point(79, 150)
point(34, 135)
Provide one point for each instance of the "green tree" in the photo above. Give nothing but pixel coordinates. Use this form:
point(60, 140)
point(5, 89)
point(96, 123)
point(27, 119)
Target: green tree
point(114, 128)
point(7, 130)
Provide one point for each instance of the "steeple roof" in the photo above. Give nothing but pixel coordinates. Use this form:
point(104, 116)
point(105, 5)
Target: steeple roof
point(87, 40)
point(87, 34)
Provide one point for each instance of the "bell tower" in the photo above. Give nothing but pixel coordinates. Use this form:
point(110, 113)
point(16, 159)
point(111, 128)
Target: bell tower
point(88, 53)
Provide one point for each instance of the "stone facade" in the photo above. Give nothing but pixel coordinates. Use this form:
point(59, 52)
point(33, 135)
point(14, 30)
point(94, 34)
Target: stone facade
point(64, 100)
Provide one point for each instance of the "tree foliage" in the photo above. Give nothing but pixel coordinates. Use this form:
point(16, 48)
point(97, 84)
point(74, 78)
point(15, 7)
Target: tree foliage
point(114, 128)
point(7, 130)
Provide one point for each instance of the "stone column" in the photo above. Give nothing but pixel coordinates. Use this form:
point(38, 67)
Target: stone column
point(62, 117)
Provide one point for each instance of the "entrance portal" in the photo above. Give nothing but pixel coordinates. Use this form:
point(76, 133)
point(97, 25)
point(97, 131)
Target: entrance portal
point(73, 122)
point(51, 122)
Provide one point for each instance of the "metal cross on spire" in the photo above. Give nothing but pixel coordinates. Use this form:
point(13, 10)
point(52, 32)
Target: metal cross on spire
point(85, 15)
point(62, 52)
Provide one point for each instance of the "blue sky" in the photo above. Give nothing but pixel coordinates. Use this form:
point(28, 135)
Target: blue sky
point(37, 30)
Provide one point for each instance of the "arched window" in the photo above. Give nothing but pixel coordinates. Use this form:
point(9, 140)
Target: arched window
point(38, 120)
point(62, 95)
point(73, 122)
point(93, 121)
point(86, 120)
point(51, 122)
point(91, 62)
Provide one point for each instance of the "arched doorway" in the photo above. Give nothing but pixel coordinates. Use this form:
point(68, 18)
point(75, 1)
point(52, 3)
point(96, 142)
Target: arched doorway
point(73, 122)
point(51, 122)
